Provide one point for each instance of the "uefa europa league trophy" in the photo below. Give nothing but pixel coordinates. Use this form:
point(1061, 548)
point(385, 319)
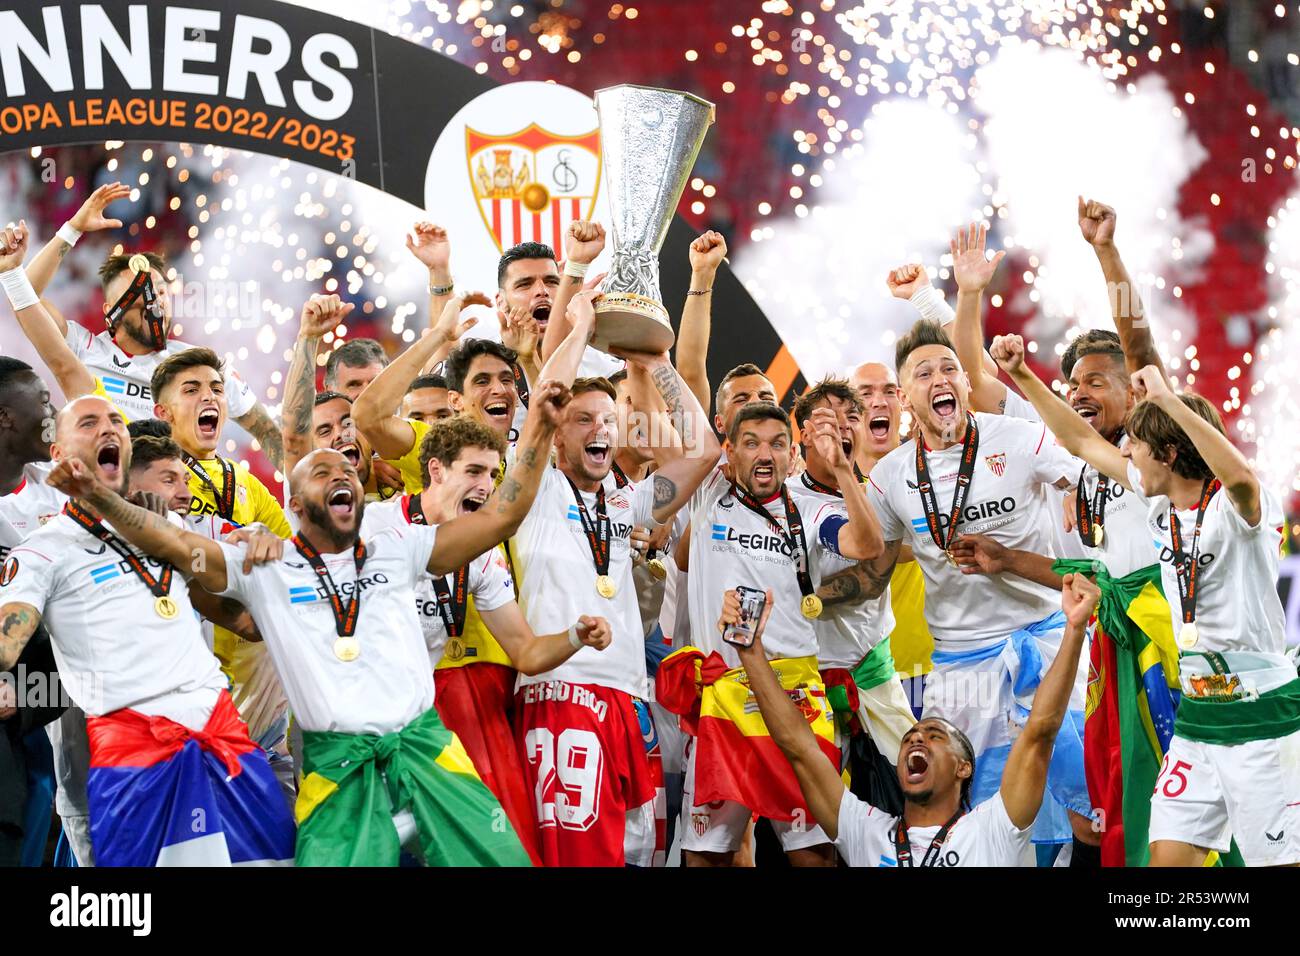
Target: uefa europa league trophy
point(649, 140)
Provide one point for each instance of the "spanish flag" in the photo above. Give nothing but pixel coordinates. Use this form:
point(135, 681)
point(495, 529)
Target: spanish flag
point(736, 758)
point(1133, 694)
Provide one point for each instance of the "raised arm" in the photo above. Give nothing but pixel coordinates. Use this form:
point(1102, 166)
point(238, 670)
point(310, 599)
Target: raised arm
point(431, 246)
point(257, 421)
point(191, 554)
point(583, 242)
point(707, 253)
point(467, 536)
point(818, 779)
point(912, 282)
point(1228, 464)
point(89, 218)
point(1097, 224)
point(565, 360)
point(676, 479)
point(37, 324)
point(1075, 435)
point(1025, 774)
point(861, 539)
point(374, 411)
point(536, 654)
point(973, 273)
point(320, 314)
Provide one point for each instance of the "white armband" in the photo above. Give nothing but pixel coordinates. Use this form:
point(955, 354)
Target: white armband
point(930, 303)
point(577, 270)
point(574, 639)
point(69, 233)
point(19, 289)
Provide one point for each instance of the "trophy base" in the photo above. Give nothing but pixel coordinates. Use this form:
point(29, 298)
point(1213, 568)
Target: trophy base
point(633, 322)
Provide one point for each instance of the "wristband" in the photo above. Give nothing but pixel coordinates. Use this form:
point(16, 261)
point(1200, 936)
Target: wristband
point(573, 637)
point(69, 233)
point(19, 289)
point(930, 303)
point(577, 270)
point(699, 291)
point(442, 289)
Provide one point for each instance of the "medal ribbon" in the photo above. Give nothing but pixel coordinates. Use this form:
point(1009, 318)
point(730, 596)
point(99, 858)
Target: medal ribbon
point(903, 846)
point(223, 498)
point(597, 531)
point(812, 484)
point(521, 383)
point(452, 606)
point(141, 285)
point(413, 510)
point(345, 615)
point(1185, 565)
point(794, 539)
point(158, 587)
point(969, 447)
point(621, 479)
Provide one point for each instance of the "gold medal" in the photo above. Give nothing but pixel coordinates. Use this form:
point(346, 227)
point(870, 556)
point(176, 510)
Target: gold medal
point(657, 568)
point(138, 262)
point(605, 586)
point(1097, 536)
point(1188, 636)
point(811, 606)
point(455, 650)
point(951, 558)
point(347, 649)
point(165, 608)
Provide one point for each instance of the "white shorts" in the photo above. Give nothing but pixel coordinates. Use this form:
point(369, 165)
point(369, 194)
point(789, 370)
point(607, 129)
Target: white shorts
point(720, 827)
point(1207, 794)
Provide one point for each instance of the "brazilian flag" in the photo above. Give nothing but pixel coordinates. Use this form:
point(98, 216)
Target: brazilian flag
point(354, 783)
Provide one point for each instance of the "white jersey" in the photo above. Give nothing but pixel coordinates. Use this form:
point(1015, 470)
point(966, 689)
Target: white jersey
point(1017, 406)
point(557, 580)
point(28, 506)
point(845, 634)
point(390, 683)
point(983, 837)
point(1126, 544)
point(488, 581)
point(1011, 500)
point(124, 379)
point(731, 546)
point(1237, 604)
point(112, 648)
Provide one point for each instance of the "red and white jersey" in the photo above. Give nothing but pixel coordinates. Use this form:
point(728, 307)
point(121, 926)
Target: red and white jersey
point(845, 633)
point(125, 379)
point(557, 580)
point(488, 582)
point(731, 546)
point(28, 506)
point(1012, 499)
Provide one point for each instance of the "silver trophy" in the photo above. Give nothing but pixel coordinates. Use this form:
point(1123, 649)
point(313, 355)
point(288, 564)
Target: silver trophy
point(649, 140)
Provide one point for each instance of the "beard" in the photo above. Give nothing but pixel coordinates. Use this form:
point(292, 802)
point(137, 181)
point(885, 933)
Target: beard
point(319, 515)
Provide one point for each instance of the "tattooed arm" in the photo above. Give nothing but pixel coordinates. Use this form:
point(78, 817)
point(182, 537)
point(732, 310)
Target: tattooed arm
point(191, 554)
point(320, 314)
point(467, 536)
point(676, 480)
point(225, 612)
point(18, 623)
point(257, 421)
point(865, 581)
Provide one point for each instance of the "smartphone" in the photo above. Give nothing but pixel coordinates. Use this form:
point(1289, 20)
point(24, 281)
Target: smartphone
point(752, 601)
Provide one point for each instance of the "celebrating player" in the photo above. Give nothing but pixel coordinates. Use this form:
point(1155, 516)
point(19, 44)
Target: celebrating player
point(936, 765)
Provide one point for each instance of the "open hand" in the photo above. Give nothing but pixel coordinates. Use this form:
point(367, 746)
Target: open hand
point(970, 268)
point(90, 217)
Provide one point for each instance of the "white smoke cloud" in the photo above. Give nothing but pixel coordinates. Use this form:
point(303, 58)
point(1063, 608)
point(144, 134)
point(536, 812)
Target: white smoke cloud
point(1055, 128)
point(893, 199)
point(1271, 411)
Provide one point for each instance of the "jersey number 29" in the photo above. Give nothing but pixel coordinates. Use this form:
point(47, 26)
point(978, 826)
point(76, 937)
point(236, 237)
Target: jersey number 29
point(568, 771)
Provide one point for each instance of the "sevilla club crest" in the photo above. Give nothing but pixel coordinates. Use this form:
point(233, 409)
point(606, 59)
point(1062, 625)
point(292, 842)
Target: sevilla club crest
point(997, 463)
point(530, 184)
